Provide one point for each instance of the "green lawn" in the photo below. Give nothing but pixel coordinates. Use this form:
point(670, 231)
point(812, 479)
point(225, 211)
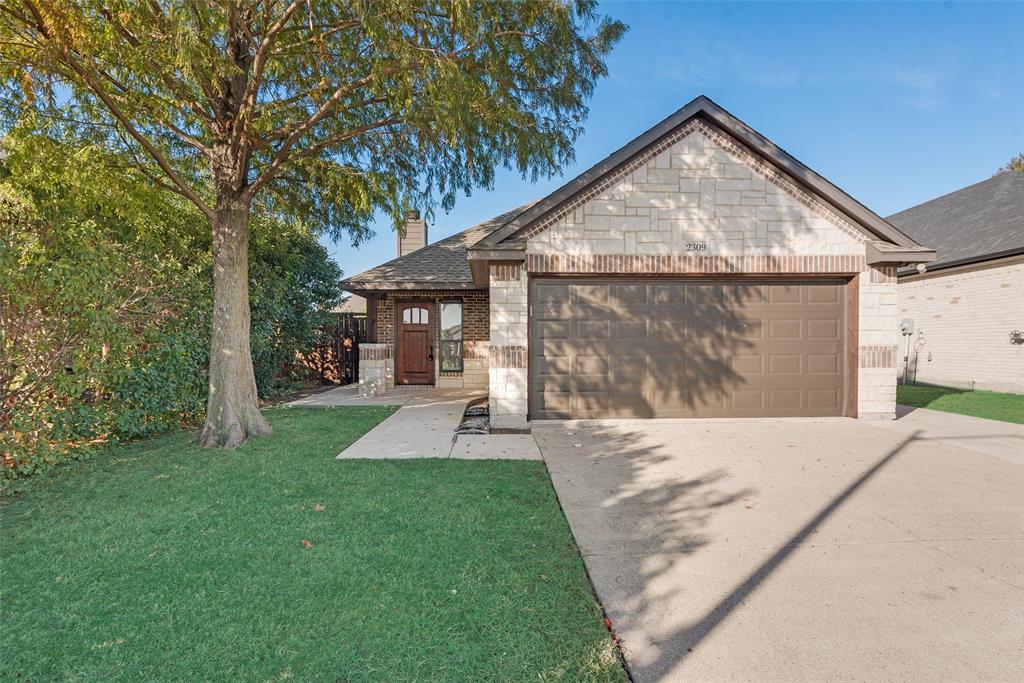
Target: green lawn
point(160, 560)
point(990, 404)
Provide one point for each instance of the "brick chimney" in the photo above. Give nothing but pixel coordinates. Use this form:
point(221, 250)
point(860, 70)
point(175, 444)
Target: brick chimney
point(415, 233)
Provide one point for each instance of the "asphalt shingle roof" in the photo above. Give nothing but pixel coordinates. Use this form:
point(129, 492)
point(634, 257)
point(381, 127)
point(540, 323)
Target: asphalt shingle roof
point(979, 221)
point(441, 265)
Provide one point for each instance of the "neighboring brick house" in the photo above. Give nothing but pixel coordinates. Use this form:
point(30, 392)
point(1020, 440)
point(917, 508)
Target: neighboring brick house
point(967, 308)
point(699, 271)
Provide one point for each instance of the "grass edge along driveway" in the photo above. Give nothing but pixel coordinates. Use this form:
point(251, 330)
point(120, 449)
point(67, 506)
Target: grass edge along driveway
point(161, 560)
point(991, 405)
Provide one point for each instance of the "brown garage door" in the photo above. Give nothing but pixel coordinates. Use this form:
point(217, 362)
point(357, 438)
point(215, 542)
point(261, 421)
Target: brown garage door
point(686, 348)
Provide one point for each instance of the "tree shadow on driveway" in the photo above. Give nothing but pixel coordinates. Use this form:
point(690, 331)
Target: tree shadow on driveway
point(628, 501)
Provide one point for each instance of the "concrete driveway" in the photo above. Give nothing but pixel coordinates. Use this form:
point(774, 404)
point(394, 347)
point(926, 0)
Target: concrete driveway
point(833, 550)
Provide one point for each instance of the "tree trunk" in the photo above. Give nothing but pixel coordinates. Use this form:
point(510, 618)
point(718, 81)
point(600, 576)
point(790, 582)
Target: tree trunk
point(232, 410)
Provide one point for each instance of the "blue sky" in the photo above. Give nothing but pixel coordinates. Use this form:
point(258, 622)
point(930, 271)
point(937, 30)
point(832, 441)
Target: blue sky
point(896, 103)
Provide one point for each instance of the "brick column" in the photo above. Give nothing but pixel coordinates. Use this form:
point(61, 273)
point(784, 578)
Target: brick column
point(879, 344)
point(509, 341)
point(376, 369)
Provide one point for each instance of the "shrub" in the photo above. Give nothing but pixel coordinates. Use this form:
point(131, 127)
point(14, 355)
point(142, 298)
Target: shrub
point(105, 299)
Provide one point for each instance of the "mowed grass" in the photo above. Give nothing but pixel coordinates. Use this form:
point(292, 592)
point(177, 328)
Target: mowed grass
point(988, 404)
point(164, 561)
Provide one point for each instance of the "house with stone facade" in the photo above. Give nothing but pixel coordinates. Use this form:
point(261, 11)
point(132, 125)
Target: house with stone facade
point(698, 271)
point(964, 314)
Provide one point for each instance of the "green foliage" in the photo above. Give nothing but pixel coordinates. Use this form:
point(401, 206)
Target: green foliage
point(104, 303)
point(336, 109)
point(318, 112)
point(293, 286)
point(77, 307)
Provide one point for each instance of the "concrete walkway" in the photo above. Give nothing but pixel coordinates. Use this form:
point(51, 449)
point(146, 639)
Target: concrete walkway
point(424, 427)
point(802, 551)
point(349, 396)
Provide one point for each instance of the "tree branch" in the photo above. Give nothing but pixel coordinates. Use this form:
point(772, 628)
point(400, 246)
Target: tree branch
point(150, 148)
point(275, 166)
point(260, 60)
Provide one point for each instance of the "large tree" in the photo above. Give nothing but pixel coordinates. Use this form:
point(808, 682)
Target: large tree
point(324, 110)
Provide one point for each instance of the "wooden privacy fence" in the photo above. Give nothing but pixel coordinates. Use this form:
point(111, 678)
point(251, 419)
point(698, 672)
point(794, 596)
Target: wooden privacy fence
point(337, 361)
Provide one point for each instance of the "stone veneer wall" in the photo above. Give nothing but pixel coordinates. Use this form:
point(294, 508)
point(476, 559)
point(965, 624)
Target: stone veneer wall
point(699, 186)
point(962, 323)
point(475, 315)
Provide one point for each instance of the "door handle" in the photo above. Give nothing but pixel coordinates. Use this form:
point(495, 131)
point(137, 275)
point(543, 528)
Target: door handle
point(430, 355)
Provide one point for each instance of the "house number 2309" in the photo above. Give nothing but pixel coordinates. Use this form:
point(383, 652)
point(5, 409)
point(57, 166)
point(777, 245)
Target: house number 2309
point(696, 246)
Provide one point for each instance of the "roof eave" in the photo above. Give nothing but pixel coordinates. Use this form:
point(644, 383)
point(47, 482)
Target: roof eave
point(480, 259)
point(968, 261)
point(882, 253)
point(384, 287)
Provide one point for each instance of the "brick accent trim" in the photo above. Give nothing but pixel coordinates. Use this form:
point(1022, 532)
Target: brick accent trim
point(722, 140)
point(374, 351)
point(882, 274)
point(682, 264)
point(476, 349)
point(508, 356)
point(505, 272)
point(879, 356)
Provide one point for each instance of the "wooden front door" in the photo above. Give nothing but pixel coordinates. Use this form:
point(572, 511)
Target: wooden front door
point(415, 343)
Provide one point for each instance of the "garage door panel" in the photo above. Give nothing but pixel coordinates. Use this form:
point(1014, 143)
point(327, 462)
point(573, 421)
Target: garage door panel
point(786, 400)
point(590, 403)
point(553, 312)
point(624, 294)
point(746, 295)
point(686, 402)
point(747, 400)
point(704, 294)
point(824, 401)
point(587, 330)
point(668, 330)
point(554, 366)
point(629, 330)
point(556, 402)
point(785, 294)
point(751, 329)
point(589, 294)
point(785, 364)
point(553, 329)
point(824, 295)
point(591, 365)
point(667, 348)
point(785, 329)
point(668, 293)
point(823, 363)
point(625, 369)
point(550, 293)
point(748, 364)
point(824, 329)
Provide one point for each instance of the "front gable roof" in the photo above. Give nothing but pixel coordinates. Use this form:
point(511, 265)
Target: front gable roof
point(460, 261)
point(511, 236)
